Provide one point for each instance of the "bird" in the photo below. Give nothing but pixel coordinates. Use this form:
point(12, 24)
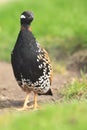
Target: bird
point(31, 64)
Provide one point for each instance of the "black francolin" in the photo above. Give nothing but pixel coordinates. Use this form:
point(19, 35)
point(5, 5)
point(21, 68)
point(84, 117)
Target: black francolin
point(31, 64)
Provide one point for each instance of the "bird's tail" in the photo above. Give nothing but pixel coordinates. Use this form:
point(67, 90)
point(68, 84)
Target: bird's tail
point(49, 92)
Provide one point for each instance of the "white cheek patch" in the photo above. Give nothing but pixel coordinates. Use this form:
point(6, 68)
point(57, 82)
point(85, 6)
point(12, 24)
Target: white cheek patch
point(23, 17)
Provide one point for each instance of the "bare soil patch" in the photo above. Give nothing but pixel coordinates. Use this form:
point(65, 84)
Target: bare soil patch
point(11, 95)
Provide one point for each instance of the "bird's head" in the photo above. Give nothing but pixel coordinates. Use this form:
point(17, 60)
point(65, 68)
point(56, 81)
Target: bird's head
point(26, 18)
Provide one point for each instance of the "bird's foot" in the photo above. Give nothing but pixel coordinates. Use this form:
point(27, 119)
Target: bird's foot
point(36, 107)
point(24, 108)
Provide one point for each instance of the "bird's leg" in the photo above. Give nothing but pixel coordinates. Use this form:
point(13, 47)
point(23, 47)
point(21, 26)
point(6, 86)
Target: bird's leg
point(35, 101)
point(25, 106)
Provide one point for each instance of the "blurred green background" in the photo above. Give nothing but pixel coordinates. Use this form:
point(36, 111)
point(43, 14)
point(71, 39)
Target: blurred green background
point(61, 27)
point(58, 117)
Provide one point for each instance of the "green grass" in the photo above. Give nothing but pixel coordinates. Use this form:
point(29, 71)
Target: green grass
point(76, 89)
point(57, 24)
point(58, 117)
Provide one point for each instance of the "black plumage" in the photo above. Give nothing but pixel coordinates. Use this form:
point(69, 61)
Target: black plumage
point(31, 64)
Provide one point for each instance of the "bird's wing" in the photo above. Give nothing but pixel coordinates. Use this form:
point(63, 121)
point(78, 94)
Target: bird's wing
point(48, 62)
point(44, 55)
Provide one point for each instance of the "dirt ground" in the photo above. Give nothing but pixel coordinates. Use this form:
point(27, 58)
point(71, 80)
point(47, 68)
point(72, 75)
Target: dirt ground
point(11, 95)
